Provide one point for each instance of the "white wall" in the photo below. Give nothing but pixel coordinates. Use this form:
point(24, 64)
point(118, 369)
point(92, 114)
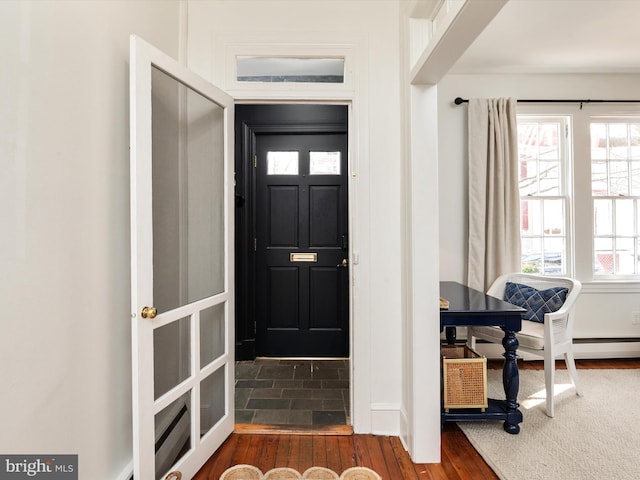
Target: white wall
point(372, 29)
point(65, 355)
point(602, 311)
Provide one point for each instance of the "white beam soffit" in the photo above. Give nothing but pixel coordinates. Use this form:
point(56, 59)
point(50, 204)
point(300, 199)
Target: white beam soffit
point(443, 50)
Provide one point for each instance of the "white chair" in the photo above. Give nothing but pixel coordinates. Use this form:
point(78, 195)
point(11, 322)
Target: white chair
point(548, 339)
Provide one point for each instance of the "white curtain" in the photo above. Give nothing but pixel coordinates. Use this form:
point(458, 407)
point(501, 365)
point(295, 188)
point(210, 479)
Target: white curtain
point(494, 199)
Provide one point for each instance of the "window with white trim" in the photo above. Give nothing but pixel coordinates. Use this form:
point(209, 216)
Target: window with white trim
point(544, 180)
point(580, 193)
point(615, 190)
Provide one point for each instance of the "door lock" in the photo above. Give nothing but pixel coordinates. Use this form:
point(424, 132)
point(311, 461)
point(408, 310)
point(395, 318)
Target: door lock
point(343, 264)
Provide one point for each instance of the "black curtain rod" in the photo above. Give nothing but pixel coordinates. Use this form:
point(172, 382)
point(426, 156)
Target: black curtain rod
point(459, 101)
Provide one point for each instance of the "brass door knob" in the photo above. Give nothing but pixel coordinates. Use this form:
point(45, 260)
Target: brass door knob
point(149, 312)
point(343, 264)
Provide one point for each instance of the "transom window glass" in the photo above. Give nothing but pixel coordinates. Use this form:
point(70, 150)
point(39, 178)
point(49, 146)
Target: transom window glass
point(615, 189)
point(543, 160)
point(290, 69)
point(324, 163)
point(282, 163)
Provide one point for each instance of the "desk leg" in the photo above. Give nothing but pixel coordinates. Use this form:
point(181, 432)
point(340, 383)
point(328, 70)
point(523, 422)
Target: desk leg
point(450, 333)
point(511, 382)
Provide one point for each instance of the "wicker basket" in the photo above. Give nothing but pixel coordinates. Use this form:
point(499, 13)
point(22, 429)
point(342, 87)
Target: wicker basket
point(464, 375)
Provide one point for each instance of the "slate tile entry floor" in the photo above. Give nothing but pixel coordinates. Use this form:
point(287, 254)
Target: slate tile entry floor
point(292, 392)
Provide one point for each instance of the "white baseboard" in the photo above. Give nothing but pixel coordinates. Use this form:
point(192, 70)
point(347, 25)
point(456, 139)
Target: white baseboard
point(127, 473)
point(385, 419)
point(405, 430)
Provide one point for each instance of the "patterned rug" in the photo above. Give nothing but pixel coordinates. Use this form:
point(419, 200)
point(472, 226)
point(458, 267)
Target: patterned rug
point(249, 472)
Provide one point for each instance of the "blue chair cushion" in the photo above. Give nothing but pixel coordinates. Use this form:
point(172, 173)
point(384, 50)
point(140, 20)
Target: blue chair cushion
point(536, 302)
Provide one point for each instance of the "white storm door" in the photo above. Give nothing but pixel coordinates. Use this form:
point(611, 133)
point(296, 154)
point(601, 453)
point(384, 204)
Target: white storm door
point(182, 265)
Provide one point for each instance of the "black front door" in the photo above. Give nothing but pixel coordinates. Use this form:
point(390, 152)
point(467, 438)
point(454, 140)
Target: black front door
point(301, 245)
point(293, 244)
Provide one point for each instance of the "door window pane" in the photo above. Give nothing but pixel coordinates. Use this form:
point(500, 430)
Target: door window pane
point(171, 355)
point(324, 163)
point(282, 163)
point(172, 434)
point(188, 194)
point(212, 400)
point(212, 335)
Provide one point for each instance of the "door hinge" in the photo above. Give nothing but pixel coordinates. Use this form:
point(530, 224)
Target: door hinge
point(255, 161)
point(255, 244)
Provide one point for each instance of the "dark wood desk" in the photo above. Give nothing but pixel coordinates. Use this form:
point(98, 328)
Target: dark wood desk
point(469, 307)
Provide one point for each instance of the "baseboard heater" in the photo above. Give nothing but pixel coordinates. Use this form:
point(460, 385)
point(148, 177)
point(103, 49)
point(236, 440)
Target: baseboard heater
point(173, 438)
point(607, 340)
point(583, 348)
point(171, 428)
point(580, 340)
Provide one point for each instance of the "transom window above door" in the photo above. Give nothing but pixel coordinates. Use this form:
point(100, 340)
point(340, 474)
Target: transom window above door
point(289, 69)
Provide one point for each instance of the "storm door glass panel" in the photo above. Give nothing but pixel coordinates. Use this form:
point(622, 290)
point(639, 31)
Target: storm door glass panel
point(324, 163)
point(172, 434)
point(212, 400)
point(171, 355)
point(212, 334)
point(188, 194)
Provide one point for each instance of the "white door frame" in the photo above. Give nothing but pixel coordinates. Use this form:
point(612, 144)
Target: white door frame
point(353, 93)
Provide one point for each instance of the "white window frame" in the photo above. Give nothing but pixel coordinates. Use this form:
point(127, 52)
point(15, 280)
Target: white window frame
point(565, 185)
point(621, 119)
point(581, 244)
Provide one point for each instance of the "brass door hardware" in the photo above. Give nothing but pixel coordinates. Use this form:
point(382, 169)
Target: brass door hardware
point(149, 312)
point(303, 257)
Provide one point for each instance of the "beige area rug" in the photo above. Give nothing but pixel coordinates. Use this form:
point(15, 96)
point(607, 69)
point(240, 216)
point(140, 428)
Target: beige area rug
point(249, 472)
point(596, 436)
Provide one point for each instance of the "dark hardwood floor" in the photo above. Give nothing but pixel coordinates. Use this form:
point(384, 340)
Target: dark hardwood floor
point(385, 455)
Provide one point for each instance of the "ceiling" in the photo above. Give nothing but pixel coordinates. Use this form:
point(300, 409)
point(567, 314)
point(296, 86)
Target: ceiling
point(558, 36)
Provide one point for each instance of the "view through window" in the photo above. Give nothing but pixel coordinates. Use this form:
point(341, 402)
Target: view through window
point(610, 205)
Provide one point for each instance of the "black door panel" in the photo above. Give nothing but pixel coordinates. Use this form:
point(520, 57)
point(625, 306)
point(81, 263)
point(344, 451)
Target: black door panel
point(301, 224)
